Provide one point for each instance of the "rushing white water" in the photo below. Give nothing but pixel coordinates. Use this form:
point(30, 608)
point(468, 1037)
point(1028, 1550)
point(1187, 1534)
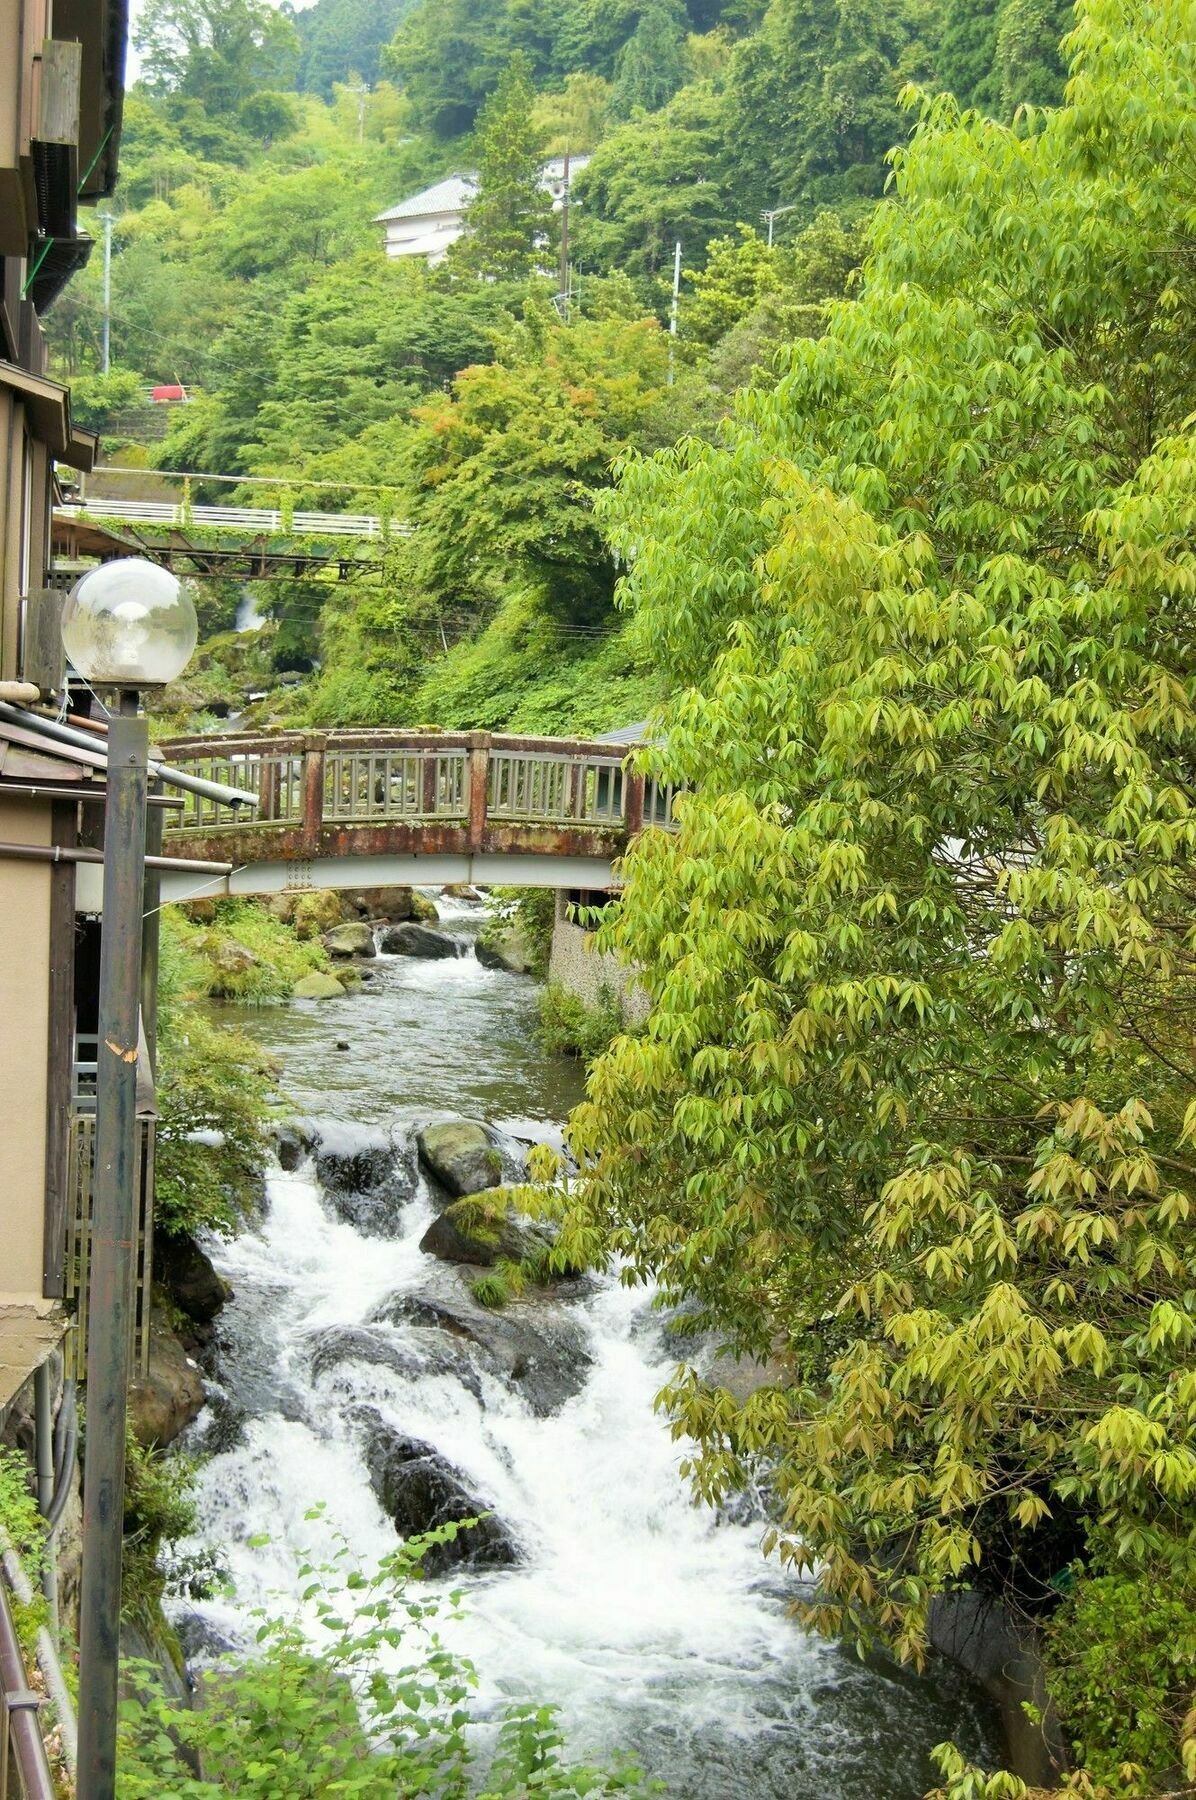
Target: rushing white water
point(249, 618)
point(656, 1627)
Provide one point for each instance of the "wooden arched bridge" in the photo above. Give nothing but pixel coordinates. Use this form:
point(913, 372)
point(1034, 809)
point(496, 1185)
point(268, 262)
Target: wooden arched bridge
point(357, 809)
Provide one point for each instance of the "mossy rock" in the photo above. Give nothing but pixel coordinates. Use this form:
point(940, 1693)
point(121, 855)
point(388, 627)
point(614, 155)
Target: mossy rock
point(318, 987)
point(423, 909)
point(350, 940)
point(480, 1230)
point(462, 1157)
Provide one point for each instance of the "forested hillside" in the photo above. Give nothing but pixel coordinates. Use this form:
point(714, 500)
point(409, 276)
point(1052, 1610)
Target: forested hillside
point(260, 144)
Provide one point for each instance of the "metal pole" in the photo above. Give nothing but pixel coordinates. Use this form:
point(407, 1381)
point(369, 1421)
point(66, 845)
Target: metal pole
point(43, 1411)
point(675, 314)
point(107, 220)
point(770, 216)
point(113, 1234)
point(565, 242)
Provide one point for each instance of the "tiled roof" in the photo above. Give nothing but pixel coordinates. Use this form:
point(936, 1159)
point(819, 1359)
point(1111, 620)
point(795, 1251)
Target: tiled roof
point(451, 195)
point(454, 193)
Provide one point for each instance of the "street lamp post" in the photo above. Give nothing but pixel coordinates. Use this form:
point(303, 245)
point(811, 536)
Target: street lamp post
point(128, 626)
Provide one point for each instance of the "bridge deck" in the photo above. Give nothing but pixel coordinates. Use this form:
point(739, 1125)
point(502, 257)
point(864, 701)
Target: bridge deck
point(241, 519)
point(372, 808)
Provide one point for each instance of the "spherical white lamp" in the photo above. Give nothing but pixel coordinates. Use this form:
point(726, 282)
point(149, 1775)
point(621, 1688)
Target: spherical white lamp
point(129, 624)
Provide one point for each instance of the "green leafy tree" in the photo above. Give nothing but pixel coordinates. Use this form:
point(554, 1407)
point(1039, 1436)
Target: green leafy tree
point(812, 99)
point(447, 56)
point(363, 344)
point(738, 272)
point(657, 179)
point(576, 118)
point(343, 40)
point(217, 52)
point(591, 33)
point(505, 469)
point(651, 66)
point(1029, 64)
point(269, 117)
point(913, 1110)
point(967, 55)
point(509, 219)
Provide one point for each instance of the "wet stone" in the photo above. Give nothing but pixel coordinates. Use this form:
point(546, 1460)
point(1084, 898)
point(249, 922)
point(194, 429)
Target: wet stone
point(368, 1182)
point(420, 1490)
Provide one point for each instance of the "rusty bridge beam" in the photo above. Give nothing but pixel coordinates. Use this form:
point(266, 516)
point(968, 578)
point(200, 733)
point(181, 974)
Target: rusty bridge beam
point(313, 793)
point(478, 774)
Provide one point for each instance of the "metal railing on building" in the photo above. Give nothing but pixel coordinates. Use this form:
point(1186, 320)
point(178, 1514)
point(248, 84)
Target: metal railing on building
point(78, 1244)
point(24, 1766)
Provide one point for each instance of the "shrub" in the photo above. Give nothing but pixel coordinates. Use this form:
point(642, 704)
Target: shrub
point(532, 911)
point(159, 1510)
point(570, 1027)
point(379, 1708)
point(243, 953)
point(213, 1103)
point(1122, 1653)
point(20, 1522)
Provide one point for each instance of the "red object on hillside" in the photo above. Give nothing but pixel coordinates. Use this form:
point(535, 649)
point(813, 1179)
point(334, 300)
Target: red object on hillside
point(168, 393)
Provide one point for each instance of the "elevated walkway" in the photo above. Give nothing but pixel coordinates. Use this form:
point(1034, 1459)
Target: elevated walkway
point(353, 809)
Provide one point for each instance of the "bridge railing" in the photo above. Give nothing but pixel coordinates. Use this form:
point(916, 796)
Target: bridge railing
point(234, 518)
point(305, 783)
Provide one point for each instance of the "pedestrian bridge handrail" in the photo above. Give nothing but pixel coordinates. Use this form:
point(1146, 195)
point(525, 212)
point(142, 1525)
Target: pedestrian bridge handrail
point(326, 794)
point(273, 521)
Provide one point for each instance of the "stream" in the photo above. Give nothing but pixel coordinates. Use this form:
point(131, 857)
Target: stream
point(656, 1627)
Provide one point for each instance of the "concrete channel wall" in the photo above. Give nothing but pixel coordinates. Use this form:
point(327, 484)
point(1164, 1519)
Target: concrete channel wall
point(586, 973)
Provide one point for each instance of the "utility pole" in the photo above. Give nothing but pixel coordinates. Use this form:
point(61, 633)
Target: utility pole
point(776, 213)
point(362, 92)
point(675, 314)
point(107, 220)
point(565, 243)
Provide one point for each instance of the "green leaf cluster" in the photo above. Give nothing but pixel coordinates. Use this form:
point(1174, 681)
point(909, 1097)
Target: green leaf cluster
point(913, 1107)
point(356, 1696)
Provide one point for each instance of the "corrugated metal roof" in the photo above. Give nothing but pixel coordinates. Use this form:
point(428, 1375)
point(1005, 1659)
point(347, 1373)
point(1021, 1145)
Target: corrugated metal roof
point(451, 195)
point(455, 192)
point(627, 734)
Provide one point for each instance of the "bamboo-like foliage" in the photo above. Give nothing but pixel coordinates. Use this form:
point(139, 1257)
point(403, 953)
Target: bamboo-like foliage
point(912, 1113)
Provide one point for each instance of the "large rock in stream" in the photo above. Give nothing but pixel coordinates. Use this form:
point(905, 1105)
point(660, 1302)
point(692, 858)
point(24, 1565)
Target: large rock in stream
point(368, 1180)
point(417, 940)
point(466, 1158)
point(413, 1354)
point(420, 1489)
point(531, 1347)
point(164, 1400)
point(482, 1230)
point(350, 940)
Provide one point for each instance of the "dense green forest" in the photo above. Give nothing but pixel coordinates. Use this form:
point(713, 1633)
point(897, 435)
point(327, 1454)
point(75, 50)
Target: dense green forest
point(898, 531)
point(261, 143)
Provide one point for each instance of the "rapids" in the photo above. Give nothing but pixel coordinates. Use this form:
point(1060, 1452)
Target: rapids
point(656, 1628)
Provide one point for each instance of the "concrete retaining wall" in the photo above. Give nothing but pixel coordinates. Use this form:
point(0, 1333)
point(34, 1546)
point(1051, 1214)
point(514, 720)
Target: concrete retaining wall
point(582, 971)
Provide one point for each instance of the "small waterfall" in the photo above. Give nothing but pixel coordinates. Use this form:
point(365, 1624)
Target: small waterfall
point(248, 616)
point(655, 1626)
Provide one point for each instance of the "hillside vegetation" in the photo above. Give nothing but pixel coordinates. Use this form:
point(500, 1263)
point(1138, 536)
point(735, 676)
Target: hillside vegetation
point(897, 532)
point(470, 400)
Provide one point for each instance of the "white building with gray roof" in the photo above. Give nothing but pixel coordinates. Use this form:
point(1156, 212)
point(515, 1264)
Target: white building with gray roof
point(428, 224)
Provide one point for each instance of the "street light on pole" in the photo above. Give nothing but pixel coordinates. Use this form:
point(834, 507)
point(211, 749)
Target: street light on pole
point(128, 626)
point(107, 220)
point(777, 212)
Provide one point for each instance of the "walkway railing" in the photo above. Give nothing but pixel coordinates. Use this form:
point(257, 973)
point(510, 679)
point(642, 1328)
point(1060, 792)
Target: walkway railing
point(278, 523)
point(24, 1765)
point(319, 792)
point(78, 1243)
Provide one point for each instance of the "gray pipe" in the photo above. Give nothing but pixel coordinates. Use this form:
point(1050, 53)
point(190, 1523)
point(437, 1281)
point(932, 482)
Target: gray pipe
point(43, 1446)
point(96, 742)
point(47, 1660)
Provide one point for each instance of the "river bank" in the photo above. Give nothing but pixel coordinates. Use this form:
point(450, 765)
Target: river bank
point(655, 1626)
